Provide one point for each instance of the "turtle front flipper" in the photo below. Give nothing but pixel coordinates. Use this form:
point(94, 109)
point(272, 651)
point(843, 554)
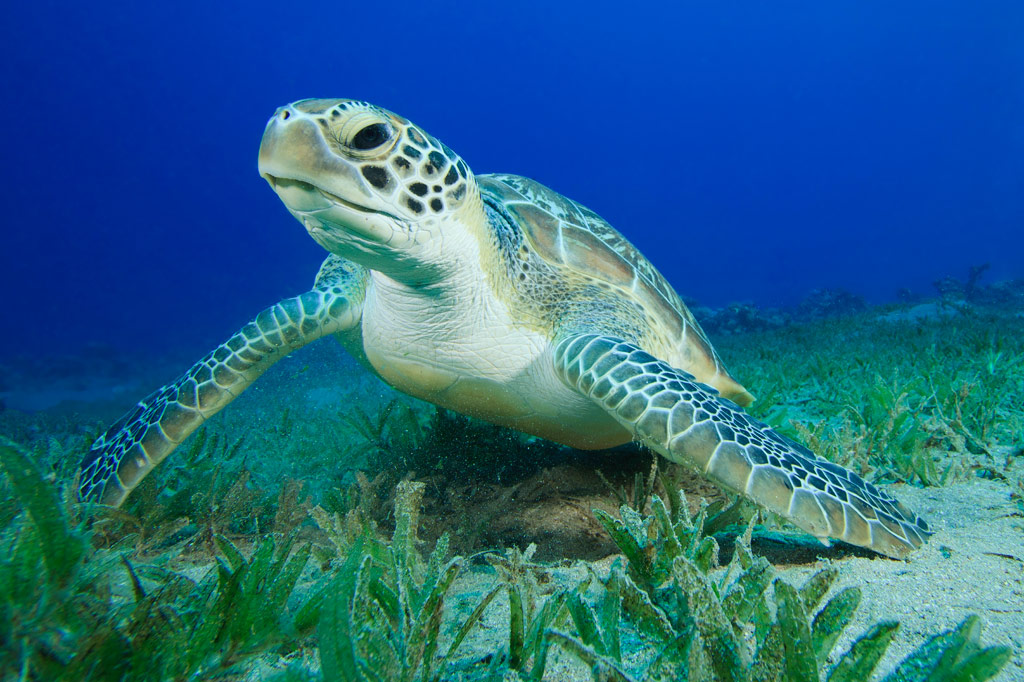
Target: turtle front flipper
point(132, 447)
point(687, 422)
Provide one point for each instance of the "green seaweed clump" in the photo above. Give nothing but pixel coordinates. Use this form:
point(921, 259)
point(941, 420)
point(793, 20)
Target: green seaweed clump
point(380, 616)
point(530, 615)
point(70, 612)
point(190, 500)
point(744, 625)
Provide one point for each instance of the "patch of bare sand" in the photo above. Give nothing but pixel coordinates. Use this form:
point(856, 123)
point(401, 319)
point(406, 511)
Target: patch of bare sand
point(973, 564)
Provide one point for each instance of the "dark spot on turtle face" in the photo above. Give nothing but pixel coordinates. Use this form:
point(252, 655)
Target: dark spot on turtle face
point(402, 166)
point(418, 188)
point(412, 152)
point(437, 158)
point(459, 192)
point(437, 205)
point(416, 138)
point(376, 176)
point(437, 188)
point(428, 168)
point(451, 177)
point(461, 165)
point(448, 152)
point(414, 206)
point(522, 277)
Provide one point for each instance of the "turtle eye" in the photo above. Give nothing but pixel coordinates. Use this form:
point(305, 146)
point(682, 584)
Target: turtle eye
point(372, 136)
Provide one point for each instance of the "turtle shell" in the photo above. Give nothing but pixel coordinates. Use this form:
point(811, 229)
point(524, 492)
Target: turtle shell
point(571, 236)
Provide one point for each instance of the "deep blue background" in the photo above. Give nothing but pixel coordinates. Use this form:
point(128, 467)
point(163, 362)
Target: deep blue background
point(752, 150)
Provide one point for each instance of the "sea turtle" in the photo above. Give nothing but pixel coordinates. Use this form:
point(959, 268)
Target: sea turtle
point(493, 296)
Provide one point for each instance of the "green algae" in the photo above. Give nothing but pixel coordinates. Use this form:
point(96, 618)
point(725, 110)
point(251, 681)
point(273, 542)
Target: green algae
point(927, 403)
point(378, 613)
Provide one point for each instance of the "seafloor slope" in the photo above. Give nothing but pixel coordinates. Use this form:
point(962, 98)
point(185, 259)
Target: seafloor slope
point(927, 399)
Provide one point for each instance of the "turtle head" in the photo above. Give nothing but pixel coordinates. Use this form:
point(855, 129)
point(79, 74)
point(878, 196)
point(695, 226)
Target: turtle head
point(370, 186)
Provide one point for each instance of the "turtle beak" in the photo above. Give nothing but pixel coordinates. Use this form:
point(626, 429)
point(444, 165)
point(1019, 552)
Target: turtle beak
point(294, 149)
point(324, 191)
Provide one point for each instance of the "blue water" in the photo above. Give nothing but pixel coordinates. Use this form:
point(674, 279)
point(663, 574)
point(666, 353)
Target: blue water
point(754, 151)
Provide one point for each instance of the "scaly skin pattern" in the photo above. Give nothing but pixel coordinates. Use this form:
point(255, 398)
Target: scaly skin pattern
point(687, 422)
point(143, 438)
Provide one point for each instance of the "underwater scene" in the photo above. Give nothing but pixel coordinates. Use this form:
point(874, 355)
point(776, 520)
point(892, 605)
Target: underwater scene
point(536, 341)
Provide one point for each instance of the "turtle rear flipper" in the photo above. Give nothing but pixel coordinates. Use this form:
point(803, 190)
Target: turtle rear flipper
point(144, 437)
point(687, 422)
